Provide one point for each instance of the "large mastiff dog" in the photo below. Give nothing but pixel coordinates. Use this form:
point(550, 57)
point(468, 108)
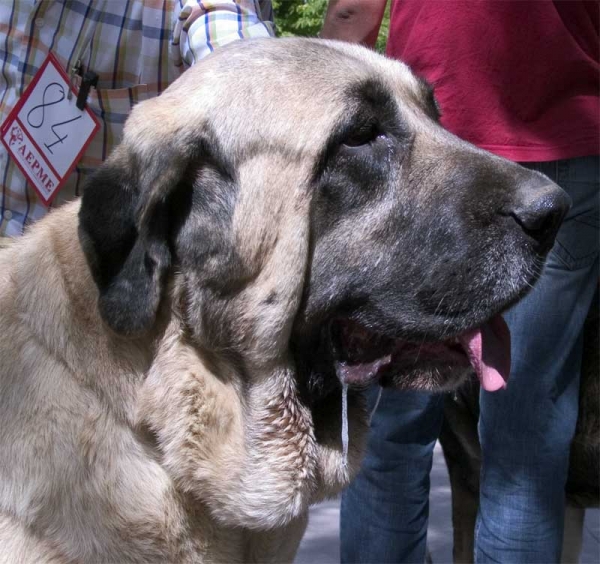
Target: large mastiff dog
point(286, 219)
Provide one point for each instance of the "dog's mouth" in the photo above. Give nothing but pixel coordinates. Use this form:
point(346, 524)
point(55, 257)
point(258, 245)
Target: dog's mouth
point(362, 355)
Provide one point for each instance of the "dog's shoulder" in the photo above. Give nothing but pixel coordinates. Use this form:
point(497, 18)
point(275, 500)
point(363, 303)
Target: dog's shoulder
point(44, 287)
point(67, 405)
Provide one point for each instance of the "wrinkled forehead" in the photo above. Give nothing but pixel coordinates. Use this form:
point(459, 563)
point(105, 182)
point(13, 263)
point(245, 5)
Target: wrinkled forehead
point(290, 92)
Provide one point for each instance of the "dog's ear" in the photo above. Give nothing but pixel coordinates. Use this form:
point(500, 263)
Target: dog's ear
point(123, 230)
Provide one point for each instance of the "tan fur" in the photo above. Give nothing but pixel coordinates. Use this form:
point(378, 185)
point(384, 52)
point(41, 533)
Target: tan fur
point(80, 473)
point(147, 449)
point(153, 411)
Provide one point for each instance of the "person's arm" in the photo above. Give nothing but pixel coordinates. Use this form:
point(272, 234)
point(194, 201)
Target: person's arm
point(356, 21)
point(202, 27)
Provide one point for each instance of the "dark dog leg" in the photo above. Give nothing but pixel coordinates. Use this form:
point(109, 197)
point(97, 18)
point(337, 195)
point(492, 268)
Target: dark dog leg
point(583, 484)
point(573, 535)
point(462, 452)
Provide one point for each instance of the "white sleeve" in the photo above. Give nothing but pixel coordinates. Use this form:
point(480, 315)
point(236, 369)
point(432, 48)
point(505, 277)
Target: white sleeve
point(203, 25)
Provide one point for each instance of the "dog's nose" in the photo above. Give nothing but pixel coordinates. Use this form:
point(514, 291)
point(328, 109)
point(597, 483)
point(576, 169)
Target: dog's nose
point(540, 209)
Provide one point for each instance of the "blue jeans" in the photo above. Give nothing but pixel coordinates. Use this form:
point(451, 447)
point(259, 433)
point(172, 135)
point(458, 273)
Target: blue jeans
point(384, 511)
point(525, 430)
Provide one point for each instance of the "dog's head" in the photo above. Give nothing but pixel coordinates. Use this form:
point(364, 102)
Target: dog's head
point(308, 201)
point(295, 207)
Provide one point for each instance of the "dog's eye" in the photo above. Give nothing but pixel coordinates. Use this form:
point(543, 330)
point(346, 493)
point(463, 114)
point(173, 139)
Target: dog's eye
point(362, 136)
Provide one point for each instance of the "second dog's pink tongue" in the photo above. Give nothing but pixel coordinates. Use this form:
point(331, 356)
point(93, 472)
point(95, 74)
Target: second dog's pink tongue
point(488, 349)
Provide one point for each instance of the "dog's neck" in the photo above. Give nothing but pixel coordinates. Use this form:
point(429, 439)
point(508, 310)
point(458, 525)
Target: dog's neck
point(246, 445)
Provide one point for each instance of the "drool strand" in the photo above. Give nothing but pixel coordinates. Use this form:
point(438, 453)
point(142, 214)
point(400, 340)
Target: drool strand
point(345, 424)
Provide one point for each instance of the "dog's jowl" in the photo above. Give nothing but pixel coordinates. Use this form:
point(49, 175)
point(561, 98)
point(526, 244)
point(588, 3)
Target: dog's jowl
point(287, 218)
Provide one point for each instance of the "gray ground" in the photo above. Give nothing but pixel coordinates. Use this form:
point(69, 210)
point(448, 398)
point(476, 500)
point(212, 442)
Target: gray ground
point(321, 542)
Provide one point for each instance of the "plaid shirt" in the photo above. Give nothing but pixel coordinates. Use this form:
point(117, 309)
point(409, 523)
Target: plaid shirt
point(137, 48)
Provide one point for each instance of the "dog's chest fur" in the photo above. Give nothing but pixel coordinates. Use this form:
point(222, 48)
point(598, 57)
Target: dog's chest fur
point(136, 456)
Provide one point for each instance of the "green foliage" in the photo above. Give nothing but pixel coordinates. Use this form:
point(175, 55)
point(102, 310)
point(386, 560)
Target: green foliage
point(299, 17)
point(305, 18)
point(384, 29)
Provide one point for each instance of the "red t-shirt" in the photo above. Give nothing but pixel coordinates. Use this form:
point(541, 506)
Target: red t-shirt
point(518, 78)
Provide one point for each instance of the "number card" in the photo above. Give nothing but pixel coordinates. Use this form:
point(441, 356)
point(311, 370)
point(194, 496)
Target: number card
point(46, 133)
